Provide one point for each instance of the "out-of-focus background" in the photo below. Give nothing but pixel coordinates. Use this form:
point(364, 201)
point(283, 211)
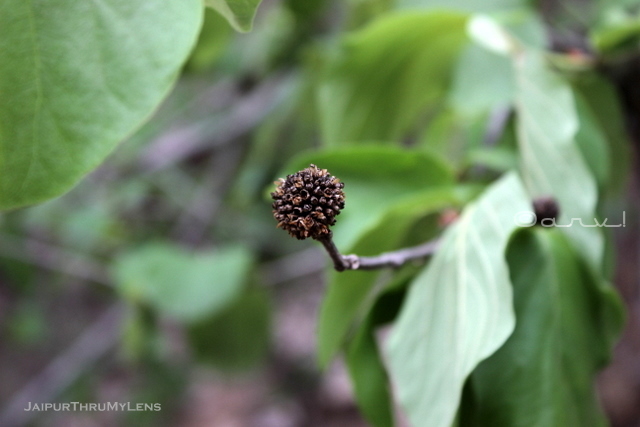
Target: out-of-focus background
point(90, 301)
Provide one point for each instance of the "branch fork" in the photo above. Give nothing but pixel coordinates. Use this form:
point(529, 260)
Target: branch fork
point(393, 259)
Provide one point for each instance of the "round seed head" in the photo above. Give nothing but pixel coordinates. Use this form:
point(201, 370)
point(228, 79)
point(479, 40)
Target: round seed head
point(306, 203)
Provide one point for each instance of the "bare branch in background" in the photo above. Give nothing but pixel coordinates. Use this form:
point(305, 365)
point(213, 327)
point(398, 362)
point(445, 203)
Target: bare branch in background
point(52, 257)
point(246, 113)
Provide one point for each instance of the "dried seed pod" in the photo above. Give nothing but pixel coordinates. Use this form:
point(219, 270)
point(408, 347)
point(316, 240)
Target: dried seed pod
point(318, 192)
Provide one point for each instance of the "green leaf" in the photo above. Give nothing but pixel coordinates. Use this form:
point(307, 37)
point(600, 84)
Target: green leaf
point(482, 82)
point(502, 159)
point(363, 358)
point(212, 42)
point(592, 143)
point(567, 322)
point(237, 338)
point(618, 29)
point(370, 380)
point(605, 105)
point(388, 74)
point(78, 77)
point(185, 285)
point(465, 5)
point(508, 33)
point(458, 310)
point(239, 13)
point(550, 160)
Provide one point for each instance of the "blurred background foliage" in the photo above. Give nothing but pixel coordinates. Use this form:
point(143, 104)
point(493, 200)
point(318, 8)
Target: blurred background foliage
point(161, 277)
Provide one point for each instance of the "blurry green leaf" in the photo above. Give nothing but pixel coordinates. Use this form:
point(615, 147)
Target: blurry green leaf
point(236, 338)
point(550, 161)
point(239, 13)
point(501, 159)
point(465, 5)
point(155, 380)
point(76, 78)
point(183, 284)
point(487, 33)
point(139, 333)
point(527, 27)
point(214, 38)
point(27, 324)
point(604, 102)
point(449, 137)
point(363, 358)
point(617, 29)
point(482, 82)
point(592, 143)
point(458, 310)
point(567, 321)
point(608, 39)
point(370, 380)
point(388, 74)
point(508, 33)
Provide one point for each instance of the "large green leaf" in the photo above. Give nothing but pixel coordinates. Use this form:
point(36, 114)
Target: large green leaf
point(458, 310)
point(551, 163)
point(76, 78)
point(239, 13)
point(185, 285)
point(388, 74)
point(567, 320)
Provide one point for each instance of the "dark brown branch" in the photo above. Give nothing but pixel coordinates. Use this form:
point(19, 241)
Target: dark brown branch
point(340, 262)
point(393, 259)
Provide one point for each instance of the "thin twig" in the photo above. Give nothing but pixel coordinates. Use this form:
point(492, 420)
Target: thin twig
point(291, 267)
point(393, 259)
point(340, 262)
point(245, 114)
point(53, 257)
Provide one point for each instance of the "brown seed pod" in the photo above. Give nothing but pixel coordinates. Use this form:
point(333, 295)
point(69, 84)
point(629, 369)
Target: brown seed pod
point(307, 202)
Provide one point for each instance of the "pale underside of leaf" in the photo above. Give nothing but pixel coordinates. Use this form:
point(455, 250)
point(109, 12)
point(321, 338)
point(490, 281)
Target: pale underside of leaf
point(459, 309)
point(550, 161)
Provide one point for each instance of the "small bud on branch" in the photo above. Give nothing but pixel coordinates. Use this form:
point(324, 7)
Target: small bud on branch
point(545, 208)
